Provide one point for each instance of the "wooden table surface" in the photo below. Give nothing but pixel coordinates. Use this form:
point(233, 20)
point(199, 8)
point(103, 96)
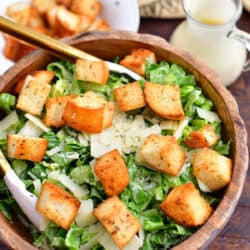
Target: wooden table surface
point(236, 234)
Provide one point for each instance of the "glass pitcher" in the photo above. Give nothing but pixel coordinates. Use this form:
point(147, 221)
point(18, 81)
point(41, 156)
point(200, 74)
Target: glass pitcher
point(210, 34)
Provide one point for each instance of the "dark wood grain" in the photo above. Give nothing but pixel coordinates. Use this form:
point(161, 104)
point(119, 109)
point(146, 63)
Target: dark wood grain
point(236, 234)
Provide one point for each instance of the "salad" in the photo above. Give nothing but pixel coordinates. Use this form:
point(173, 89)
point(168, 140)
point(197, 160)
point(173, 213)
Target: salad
point(143, 172)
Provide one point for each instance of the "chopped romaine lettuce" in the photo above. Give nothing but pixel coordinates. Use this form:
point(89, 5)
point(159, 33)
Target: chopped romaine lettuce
point(7, 102)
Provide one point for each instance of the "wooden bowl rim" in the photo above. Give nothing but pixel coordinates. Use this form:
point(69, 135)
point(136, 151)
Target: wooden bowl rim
point(216, 222)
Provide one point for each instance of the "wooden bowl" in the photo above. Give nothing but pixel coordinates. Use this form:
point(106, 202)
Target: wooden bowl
point(110, 45)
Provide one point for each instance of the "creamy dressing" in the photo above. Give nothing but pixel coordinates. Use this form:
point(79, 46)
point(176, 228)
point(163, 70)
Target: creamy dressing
point(204, 34)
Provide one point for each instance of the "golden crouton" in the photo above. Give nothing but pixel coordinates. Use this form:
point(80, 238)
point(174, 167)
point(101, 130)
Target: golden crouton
point(66, 3)
point(109, 110)
point(15, 49)
point(26, 148)
point(129, 96)
point(33, 96)
point(137, 59)
point(163, 153)
point(97, 72)
point(118, 221)
point(202, 138)
point(20, 12)
point(186, 206)
point(100, 25)
point(112, 172)
point(90, 113)
point(57, 205)
point(211, 168)
point(54, 110)
point(84, 23)
point(89, 8)
point(35, 19)
point(43, 76)
point(67, 22)
point(164, 100)
point(43, 5)
point(50, 16)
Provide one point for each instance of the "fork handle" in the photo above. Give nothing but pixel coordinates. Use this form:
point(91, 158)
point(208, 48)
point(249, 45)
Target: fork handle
point(52, 45)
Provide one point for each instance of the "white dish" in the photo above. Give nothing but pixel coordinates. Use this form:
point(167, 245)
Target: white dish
point(116, 12)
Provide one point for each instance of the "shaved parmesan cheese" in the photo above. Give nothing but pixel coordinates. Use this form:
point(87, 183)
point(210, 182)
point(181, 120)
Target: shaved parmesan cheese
point(76, 189)
point(184, 167)
point(208, 115)
point(54, 174)
point(83, 139)
point(85, 216)
point(203, 187)
point(170, 125)
point(38, 122)
point(178, 132)
point(104, 142)
point(37, 186)
point(30, 129)
point(5, 124)
point(107, 242)
point(55, 150)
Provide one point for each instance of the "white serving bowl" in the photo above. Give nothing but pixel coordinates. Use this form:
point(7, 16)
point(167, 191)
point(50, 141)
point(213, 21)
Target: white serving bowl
point(120, 14)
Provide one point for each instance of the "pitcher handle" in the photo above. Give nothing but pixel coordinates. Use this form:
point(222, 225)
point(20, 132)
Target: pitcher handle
point(244, 38)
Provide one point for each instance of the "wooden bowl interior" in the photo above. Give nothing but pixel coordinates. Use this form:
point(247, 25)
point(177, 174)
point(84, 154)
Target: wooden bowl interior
point(108, 46)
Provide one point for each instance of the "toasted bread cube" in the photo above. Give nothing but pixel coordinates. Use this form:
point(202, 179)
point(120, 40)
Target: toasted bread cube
point(26, 148)
point(66, 3)
point(164, 100)
point(57, 205)
point(84, 23)
point(109, 110)
point(35, 19)
point(186, 206)
point(118, 221)
point(99, 25)
point(129, 96)
point(163, 153)
point(97, 72)
point(90, 113)
point(43, 76)
point(15, 49)
point(202, 138)
point(67, 22)
point(33, 96)
point(89, 8)
point(136, 61)
point(112, 172)
point(54, 110)
point(20, 12)
point(50, 16)
point(211, 168)
point(43, 5)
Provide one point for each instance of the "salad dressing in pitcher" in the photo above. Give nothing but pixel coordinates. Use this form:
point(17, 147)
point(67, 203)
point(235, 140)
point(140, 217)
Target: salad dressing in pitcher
point(204, 34)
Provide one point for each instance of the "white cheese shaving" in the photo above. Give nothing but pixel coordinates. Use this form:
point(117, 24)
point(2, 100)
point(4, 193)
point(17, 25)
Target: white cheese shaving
point(104, 142)
point(38, 122)
point(203, 187)
point(107, 242)
point(85, 216)
point(178, 132)
point(55, 150)
point(30, 129)
point(84, 139)
point(208, 115)
point(184, 167)
point(6, 123)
